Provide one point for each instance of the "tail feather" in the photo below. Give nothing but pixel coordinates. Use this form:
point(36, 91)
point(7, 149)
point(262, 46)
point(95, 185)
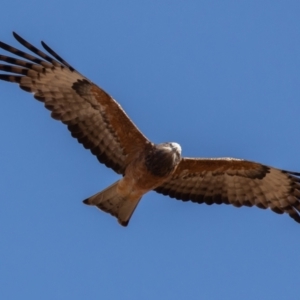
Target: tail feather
point(109, 200)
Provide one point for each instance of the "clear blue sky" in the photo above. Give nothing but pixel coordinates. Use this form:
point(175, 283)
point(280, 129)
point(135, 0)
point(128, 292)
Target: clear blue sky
point(219, 77)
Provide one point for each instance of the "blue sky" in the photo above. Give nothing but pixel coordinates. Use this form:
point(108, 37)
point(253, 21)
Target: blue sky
point(219, 77)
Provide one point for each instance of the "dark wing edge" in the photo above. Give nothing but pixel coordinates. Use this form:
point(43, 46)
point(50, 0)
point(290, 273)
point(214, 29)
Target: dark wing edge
point(237, 182)
point(93, 117)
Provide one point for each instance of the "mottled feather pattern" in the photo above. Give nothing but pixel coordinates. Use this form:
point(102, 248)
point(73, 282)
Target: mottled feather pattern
point(57, 84)
point(236, 182)
point(98, 122)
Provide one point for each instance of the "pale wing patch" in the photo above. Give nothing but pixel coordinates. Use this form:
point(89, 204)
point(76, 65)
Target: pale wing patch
point(92, 116)
point(85, 121)
point(262, 186)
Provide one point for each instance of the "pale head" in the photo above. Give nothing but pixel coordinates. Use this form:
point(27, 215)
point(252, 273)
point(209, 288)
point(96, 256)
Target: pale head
point(163, 158)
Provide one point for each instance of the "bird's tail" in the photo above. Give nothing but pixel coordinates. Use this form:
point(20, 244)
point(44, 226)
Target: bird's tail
point(109, 200)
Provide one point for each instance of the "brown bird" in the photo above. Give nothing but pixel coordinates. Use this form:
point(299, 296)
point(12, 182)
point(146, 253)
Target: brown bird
point(101, 125)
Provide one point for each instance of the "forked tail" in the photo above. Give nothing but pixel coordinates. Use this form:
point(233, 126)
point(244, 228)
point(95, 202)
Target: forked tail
point(109, 200)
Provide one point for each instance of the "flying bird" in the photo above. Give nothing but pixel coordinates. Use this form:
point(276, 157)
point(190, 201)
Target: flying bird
point(100, 124)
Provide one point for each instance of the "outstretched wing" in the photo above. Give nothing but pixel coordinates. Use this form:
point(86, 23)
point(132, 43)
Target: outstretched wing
point(93, 117)
point(236, 182)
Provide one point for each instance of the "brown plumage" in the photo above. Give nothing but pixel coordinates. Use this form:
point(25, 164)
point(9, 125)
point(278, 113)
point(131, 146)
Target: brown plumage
point(98, 122)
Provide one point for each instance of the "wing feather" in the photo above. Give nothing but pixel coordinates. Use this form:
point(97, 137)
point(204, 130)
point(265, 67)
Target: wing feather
point(93, 117)
point(237, 182)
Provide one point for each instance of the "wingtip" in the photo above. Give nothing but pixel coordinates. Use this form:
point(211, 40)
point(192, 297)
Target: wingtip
point(19, 38)
point(16, 36)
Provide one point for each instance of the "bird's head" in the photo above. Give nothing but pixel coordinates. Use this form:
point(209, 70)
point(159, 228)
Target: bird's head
point(170, 148)
point(163, 158)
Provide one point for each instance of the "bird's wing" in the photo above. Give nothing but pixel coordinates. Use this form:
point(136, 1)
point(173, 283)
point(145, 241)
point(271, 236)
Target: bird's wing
point(93, 117)
point(237, 182)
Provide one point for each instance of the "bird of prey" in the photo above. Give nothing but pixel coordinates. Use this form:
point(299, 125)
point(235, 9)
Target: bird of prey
point(98, 122)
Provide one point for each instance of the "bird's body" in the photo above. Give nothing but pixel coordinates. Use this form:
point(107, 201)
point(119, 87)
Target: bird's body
point(98, 122)
point(144, 173)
